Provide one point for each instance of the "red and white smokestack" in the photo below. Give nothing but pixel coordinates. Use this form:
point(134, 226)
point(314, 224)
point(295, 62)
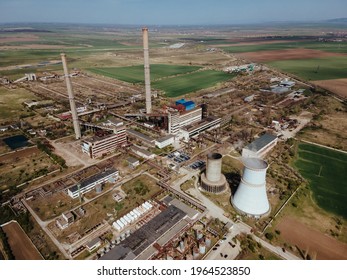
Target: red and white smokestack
point(147, 72)
point(76, 124)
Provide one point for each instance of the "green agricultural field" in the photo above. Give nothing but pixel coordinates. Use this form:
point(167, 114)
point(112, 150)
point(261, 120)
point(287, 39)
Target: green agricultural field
point(184, 84)
point(316, 68)
point(326, 170)
point(135, 74)
point(337, 47)
point(11, 103)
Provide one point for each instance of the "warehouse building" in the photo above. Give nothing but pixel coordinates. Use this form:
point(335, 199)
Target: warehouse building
point(260, 147)
point(161, 229)
point(91, 182)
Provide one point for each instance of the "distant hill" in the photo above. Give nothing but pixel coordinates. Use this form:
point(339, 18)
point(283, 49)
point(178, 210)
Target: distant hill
point(337, 20)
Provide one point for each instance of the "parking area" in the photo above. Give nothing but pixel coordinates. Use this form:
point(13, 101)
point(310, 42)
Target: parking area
point(178, 157)
point(199, 164)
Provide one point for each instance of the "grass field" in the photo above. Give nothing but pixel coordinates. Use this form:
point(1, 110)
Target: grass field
point(326, 171)
point(11, 102)
point(184, 84)
point(315, 69)
point(338, 47)
point(135, 74)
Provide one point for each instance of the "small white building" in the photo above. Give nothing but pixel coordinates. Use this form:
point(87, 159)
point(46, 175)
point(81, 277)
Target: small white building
point(94, 244)
point(142, 152)
point(165, 141)
point(133, 162)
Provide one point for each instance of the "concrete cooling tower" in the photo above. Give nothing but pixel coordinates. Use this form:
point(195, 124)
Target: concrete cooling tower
point(250, 197)
point(213, 180)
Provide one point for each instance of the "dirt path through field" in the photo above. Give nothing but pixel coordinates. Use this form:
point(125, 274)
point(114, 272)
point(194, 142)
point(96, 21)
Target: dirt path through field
point(318, 245)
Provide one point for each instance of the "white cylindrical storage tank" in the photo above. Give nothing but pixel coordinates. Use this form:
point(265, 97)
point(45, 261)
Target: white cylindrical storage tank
point(137, 212)
point(127, 219)
point(214, 167)
point(182, 245)
point(196, 253)
point(120, 224)
point(125, 223)
point(208, 240)
point(202, 248)
point(250, 197)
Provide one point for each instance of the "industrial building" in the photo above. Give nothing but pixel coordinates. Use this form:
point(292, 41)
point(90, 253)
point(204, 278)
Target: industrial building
point(213, 180)
point(179, 119)
point(89, 183)
point(260, 147)
point(188, 105)
point(142, 238)
point(148, 240)
point(165, 141)
point(99, 146)
point(250, 197)
point(94, 244)
point(65, 220)
point(142, 152)
point(194, 129)
point(133, 162)
point(146, 140)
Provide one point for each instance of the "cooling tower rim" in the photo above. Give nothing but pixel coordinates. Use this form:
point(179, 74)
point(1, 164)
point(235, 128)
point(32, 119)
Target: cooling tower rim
point(214, 156)
point(255, 163)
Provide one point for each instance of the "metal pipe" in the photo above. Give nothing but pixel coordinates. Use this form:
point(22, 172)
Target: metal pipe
point(75, 121)
point(147, 71)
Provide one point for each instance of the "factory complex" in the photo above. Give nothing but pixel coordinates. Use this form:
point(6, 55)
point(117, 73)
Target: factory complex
point(133, 174)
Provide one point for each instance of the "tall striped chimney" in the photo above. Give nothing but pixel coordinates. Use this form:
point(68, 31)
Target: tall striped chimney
point(76, 124)
point(147, 72)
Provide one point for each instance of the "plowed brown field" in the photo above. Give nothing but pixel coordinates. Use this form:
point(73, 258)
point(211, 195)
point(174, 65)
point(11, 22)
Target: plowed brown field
point(338, 86)
point(266, 56)
point(21, 245)
point(318, 245)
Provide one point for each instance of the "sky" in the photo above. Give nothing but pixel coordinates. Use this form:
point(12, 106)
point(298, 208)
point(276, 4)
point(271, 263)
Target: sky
point(169, 12)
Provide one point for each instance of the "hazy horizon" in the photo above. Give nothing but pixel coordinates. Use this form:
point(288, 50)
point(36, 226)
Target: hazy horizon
point(178, 12)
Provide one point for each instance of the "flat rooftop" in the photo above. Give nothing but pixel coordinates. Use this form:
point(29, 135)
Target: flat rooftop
point(201, 123)
point(142, 238)
point(167, 137)
point(93, 179)
point(140, 135)
point(261, 142)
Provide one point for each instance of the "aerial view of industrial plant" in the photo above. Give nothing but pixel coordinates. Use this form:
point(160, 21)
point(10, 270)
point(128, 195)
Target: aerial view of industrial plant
point(174, 135)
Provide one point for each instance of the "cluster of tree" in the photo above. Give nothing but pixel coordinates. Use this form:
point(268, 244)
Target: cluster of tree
point(59, 160)
point(6, 245)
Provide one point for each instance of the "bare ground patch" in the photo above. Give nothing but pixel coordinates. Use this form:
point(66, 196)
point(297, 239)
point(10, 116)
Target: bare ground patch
point(11, 39)
point(318, 245)
point(21, 245)
point(338, 86)
point(289, 54)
